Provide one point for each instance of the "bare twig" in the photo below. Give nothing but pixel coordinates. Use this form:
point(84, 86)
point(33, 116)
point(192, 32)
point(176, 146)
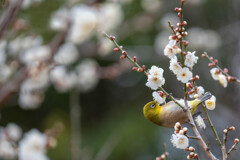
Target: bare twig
point(212, 127)
point(198, 135)
point(235, 79)
point(9, 16)
point(7, 90)
point(146, 73)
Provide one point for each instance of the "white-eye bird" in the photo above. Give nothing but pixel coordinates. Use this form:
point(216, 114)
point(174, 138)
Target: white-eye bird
point(168, 114)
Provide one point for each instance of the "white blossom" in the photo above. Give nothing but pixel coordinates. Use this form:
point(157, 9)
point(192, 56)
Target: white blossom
point(62, 80)
point(28, 100)
point(14, 132)
point(110, 16)
point(200, 38)
point(151, 5)
point(200, 91)
point(190, 59)
point(179, 141)
point(36, 54)
point(28, 3)
point(200, 122)
point(184, 75)
point(33, 146)
point(59, 19)
point(158, 98)
point(215, 73)
point(5, 72)
point(83, 23)
point(171, 49)
point(211, 103)
point(87, 76)
point(67, 54)
point(174, 66)
point(223, 80)
point(7, 151)
point(21, 43)
point(155, 78)
point(105, 46)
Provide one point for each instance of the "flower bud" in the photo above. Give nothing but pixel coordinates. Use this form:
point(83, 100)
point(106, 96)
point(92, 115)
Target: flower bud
point(191, 149)
point(112, 37)
point(211, 65)
point(195, 156)
point(135, 59)
point(124, 53)
point(179, 14)
point(181, 132)
point(163, 156)
point(184, 23)
point(196, 96)
point(143, 67)
point(179, 24)
point(122, 56)
point(116, 49)
point(134, 68)
point(204, 55)
point(211, 58)
point(216, 61)
point(189, 85)
point(191, 154)
point(231, 128)
point(225, 70)
point(140, 70)
point(236, 140)
point(188, 157)
point(225, 131)
point(179, 50)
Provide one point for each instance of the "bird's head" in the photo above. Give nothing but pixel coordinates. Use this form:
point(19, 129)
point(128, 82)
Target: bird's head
point(152, 111)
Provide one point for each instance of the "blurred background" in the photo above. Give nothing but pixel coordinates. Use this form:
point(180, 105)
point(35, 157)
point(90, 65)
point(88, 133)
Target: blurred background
point(95, 94)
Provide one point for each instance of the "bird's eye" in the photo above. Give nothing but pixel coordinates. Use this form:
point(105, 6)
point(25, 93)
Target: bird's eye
point(153, 105)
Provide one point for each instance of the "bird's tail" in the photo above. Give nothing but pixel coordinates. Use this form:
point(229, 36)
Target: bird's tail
point(195, 103)
point(206, 96)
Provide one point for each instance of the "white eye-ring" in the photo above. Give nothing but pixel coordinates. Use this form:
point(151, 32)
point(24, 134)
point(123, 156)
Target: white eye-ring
point(153, 105)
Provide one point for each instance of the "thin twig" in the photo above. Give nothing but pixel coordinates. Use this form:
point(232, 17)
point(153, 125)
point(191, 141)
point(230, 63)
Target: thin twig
point(198, 135)
point(146, 73)
point(222, 71)
point(8, 89)
point(201, 141)
point(211, 125)
point(9, 16)
point(224, 149)
point(232, 148)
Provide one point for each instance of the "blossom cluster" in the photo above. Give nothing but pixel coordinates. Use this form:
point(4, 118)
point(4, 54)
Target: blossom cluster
point(179, 138)
point(31, 145)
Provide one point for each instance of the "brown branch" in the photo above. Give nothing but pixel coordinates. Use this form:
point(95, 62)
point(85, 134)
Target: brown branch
point(9, 16)
point(7, 90)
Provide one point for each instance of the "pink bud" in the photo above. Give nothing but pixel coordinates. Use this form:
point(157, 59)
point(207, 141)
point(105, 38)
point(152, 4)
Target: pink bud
point(116, 49)
point(112, 38)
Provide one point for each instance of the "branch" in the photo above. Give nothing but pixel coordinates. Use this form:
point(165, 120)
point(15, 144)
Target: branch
point(235, 79)
point(212, 127)
point(7, 90)
point(146, 73)
point(198, 135)
point(9, 16)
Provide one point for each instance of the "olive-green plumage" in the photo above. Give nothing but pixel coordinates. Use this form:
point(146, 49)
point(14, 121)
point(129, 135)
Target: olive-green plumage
point(170, 113)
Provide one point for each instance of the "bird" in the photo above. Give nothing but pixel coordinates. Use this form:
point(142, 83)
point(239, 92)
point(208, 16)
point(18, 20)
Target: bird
point(168, 114)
